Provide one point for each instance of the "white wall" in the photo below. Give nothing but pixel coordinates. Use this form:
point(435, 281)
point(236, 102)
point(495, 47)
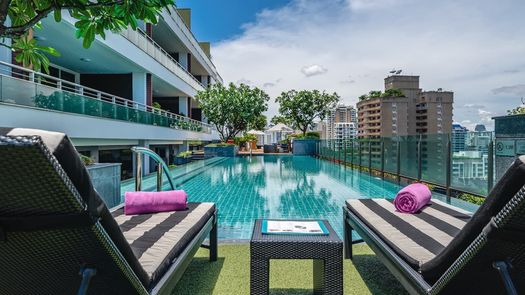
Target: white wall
point(81, 126)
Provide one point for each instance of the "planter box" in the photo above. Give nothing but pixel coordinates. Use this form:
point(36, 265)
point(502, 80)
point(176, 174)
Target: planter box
point(182, 160)
point(220, 151)
point(106, 180)
point(304, 147)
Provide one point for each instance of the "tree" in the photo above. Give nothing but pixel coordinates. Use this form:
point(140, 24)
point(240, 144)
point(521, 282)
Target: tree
point(394, 92)
point(278, 119)
point(259, 123)
point(93, 18)
point(232, 109)
point(302, 107)
point(517, 111)
point(374, 94)
point(363, 97)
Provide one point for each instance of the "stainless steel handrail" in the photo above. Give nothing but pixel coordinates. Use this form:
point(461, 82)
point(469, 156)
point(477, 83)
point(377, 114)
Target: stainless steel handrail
point(161, 167)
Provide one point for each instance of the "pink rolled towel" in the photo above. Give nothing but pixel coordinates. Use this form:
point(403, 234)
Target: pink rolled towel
point(412, 198)
point(152, 202)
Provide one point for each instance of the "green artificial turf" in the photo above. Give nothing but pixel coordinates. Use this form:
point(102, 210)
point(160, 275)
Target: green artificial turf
point(230, 274)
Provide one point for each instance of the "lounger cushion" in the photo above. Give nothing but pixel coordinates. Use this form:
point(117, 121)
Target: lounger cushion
point(156, 239)
point(65, 153)
point(509, 184)
point(417, 238)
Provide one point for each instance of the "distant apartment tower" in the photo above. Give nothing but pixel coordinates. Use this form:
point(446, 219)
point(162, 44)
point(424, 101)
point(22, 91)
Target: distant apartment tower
point(417, 112)
point(321, 128)
point(459, 137)
point(478, 141)
point(340, 114)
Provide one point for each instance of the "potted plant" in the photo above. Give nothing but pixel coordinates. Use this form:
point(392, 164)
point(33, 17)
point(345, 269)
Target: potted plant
point(183, 158)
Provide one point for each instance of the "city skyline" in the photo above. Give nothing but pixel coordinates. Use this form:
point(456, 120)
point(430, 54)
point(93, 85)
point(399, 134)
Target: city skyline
point(470, 48)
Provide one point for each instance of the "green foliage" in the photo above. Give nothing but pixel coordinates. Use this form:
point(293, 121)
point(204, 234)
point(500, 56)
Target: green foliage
point(278, 119)
point(156, 105)
point(303, 107)
point(363, 97)
point(374, 94)
point(471, 198)
point(172, 166)
point(194, 142)
point(93, 18)
point(394, 92)
point(259, 123)
point(31, 54)
point(222, 144)
point(86, 160)
point(246, 138)
point(517, 111)
point(232, 109)
point(186, 154)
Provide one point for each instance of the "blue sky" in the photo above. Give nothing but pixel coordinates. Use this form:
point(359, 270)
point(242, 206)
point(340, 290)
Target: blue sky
point(216, 20)
point(472, 47)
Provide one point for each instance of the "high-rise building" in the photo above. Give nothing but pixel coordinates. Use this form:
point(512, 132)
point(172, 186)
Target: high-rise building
point(133, 88)
point(459, 137)
point(416, 112)
point(478, 141)
point(341, 124)
point(480, 128)
point(340, 114)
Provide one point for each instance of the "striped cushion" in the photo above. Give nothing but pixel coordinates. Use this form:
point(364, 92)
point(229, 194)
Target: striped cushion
point(417, 238)
point(156, 239)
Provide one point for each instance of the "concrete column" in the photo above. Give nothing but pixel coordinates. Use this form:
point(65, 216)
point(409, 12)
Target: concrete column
point(183, 105)
point(204, 80)
point(6, 53)
point(183, 59)
point(139, 87)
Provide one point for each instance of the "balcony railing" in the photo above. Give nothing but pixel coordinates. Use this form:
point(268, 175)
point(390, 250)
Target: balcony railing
point(148, 45)
point(21, 86)
point(175, 16)
point(427, 158)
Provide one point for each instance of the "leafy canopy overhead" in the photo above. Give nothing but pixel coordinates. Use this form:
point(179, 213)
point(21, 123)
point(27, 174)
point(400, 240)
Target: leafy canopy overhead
point(303, 107)
point(92, 18)
point(233, 109)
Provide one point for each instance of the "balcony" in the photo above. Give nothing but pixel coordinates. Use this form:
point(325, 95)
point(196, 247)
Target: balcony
point(140, 39)
point(23, 87)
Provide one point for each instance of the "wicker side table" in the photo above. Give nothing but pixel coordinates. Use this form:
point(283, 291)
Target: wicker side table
point(325, 250)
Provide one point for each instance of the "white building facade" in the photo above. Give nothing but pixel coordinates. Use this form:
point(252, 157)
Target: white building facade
point(104, 97)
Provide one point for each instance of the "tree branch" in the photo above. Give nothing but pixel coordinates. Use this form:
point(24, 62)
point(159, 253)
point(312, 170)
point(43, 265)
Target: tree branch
point(16, 31)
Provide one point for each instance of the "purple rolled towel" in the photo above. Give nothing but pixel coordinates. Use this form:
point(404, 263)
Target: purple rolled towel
point(412, 198)
point(153, 202)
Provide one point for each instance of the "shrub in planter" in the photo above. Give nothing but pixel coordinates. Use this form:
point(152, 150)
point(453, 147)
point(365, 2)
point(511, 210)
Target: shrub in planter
point(183, 158)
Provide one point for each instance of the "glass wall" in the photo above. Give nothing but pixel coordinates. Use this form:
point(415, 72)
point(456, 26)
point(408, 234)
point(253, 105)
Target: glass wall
point(427, 157)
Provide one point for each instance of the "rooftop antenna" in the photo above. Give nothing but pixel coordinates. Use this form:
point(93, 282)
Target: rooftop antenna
point(399, 72)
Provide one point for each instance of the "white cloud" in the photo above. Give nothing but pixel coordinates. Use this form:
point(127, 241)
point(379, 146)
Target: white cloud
point(470, 47)
point(313, 70)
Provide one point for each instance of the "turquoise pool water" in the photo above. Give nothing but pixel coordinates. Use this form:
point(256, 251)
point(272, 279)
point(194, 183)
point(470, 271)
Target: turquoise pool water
point(247, 188)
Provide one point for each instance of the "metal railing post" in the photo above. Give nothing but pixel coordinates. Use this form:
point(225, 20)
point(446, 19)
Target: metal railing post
point(490, 172)
point(398, 159)
point(419, 157)
point(159, 177)
point(369, 156)
point(449, 167)
point(138, 172)
point(382, 146)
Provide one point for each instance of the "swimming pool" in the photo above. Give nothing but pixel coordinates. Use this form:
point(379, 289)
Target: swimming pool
point(273, 186)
